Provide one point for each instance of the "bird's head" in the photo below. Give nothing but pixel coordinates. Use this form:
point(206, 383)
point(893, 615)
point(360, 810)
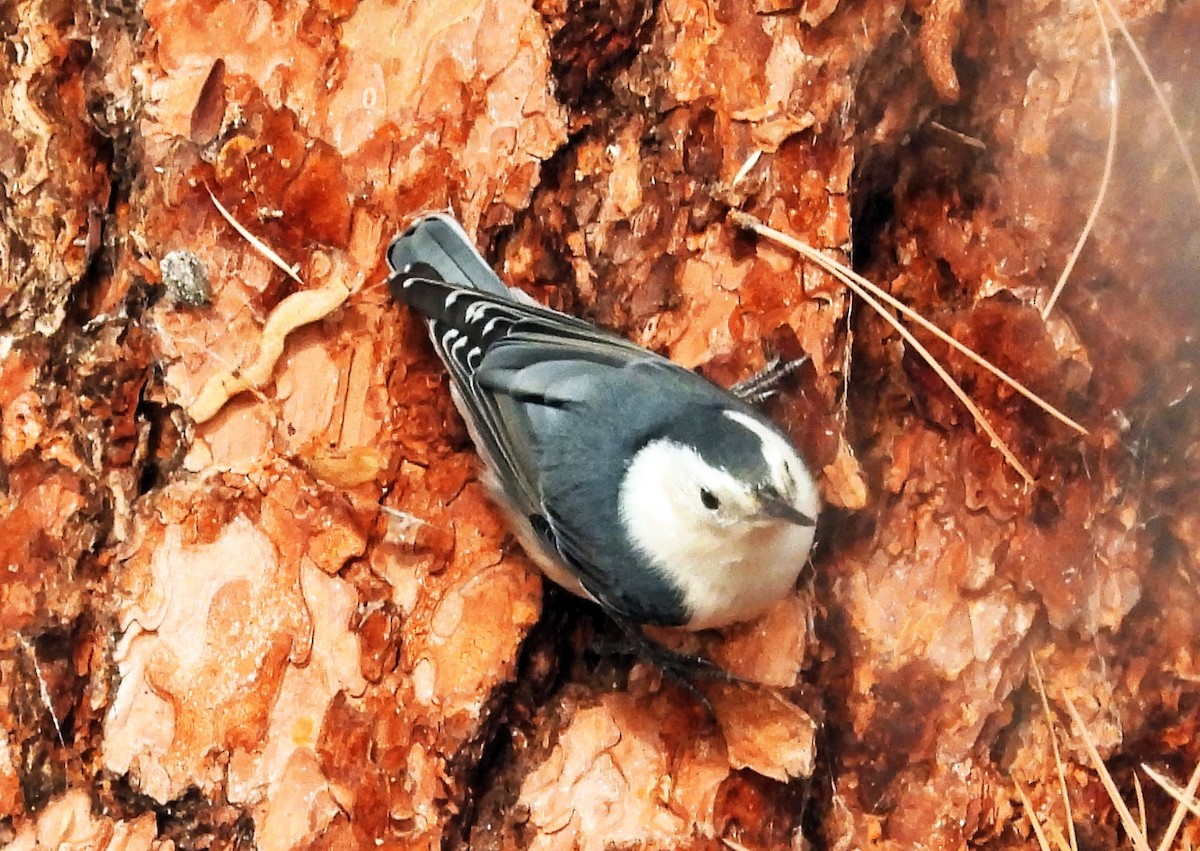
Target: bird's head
point(713, 487)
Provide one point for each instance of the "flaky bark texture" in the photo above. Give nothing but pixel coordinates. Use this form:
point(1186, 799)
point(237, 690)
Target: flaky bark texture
point(252, 593)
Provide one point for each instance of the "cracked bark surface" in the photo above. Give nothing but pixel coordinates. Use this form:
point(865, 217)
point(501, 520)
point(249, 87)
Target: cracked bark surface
point(298, 623)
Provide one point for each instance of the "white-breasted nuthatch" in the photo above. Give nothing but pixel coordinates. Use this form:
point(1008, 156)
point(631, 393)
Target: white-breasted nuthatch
point(630, 480)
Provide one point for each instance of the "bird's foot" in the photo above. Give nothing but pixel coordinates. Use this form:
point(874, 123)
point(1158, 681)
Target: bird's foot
point(684, 669)
point(765, 383)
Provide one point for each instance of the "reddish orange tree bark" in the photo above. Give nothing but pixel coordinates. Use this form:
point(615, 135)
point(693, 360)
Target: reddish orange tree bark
point(252, 591)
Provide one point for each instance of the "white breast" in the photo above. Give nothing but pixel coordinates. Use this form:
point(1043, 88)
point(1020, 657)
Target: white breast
point(735, 576)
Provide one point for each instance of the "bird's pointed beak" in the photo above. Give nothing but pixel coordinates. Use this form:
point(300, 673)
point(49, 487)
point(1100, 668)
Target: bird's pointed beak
point(776, 506)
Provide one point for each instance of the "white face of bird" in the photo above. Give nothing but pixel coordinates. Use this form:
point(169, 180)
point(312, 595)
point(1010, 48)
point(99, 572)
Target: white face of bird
point(680, 509)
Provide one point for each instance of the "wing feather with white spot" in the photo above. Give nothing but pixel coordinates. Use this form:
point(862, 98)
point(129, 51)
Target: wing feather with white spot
point(493, 348)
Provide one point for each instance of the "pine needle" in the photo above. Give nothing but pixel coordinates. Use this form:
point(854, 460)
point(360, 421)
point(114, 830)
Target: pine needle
point(1058, 763)
point(1056, 834)
point(841, 272)
point(1109, 156)
point(745, 220)
point(1032, 816)
point(1159, 95)
point(1114, 795)
point(43, 689)
point(1185, 802)
point(1141, 803)
point(747, 167)
point(258, 245)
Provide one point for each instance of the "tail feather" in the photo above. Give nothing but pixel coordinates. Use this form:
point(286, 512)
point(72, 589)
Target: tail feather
point(429, 296)
point(437, 248)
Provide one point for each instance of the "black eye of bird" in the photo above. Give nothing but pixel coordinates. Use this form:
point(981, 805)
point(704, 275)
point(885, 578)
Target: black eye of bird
point(709, 499)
